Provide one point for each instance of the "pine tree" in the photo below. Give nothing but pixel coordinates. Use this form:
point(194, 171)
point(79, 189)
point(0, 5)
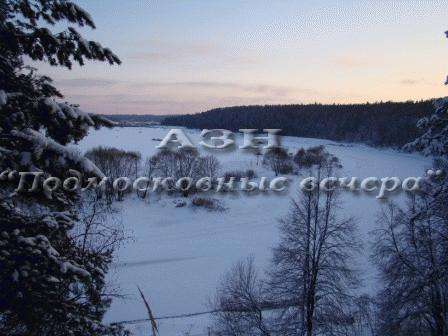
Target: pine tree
point(434, 140)
point(411, 243)
point(49, 285)
point(411, 253)
point(434, 128)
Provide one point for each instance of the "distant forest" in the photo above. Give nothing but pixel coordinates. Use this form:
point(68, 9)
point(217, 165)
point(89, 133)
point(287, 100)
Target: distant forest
point(390, 124)
point(134, 117)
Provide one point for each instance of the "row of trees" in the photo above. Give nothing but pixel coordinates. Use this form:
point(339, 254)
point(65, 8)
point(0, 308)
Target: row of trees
point(282, 162)
point(379, 124)
point(312, 287)
point(175, 164)
point(180, 163)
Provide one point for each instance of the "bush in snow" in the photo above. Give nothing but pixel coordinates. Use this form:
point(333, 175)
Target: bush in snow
point(316, 157)
point(239, 302)
point(278, 160)
point(207, 166)
point(115, 163)
point(238, 174)
point(182, 163)
point(207, 203)
point(179, 203)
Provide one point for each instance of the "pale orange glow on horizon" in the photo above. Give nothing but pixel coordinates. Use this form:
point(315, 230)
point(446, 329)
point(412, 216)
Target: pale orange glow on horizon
point(186, 58)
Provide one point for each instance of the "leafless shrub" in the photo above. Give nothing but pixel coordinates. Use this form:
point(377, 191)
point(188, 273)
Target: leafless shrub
point(175, 164)
point(207, 203)
point(186, 161)
point(315, 156)
point(182, 163)
point(179, 203)
point(207, 166)
point(238, 174)
point(239, 302)
point(115, 163)
point(99, 231)
point(100, 227)
point(258, 154)
point(278, 160)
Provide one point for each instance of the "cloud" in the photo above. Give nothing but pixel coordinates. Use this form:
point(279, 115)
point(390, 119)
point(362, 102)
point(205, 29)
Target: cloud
point(85, 82)
point(135, 104)
point(159, 97)
point(165, 52)
point(155, 103)
point(164, 98)
point(170, 52)
point(414, 81)
point(150, 56)
point(409, 81)
point(350, 62)
point(240, 88)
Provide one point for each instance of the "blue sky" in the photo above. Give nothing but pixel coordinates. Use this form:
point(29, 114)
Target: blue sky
point(190, 56)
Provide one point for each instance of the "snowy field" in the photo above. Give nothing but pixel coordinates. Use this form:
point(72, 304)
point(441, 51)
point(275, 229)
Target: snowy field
point(177, 255)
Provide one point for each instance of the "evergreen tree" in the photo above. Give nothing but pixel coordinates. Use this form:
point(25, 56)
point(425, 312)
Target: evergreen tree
point(434, 138)
point(411, 244)
point(410, 250)
point(375, 124)
point(49, 285)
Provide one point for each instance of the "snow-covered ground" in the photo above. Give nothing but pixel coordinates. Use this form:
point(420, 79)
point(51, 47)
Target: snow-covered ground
point(177, 255)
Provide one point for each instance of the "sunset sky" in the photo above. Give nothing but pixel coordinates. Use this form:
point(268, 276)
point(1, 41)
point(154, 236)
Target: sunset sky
point(190, 56)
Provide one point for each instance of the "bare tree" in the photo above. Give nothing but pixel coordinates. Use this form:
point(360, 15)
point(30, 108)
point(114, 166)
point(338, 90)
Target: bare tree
point(313, 264)
point(365, 317)
point(185, 162)
point(174, 163)
point(258, 153)
point(239, 302)
point(182, 163)
point(100, 227)
point(99, 232)
point(149, 168)
point(278, 160)
point(316, 156)
point(207, 166)
point(411, 252)
point(115, 163)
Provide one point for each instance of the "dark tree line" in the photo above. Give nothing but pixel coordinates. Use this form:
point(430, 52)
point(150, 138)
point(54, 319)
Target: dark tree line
point(379, 124)
point(134, 117)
